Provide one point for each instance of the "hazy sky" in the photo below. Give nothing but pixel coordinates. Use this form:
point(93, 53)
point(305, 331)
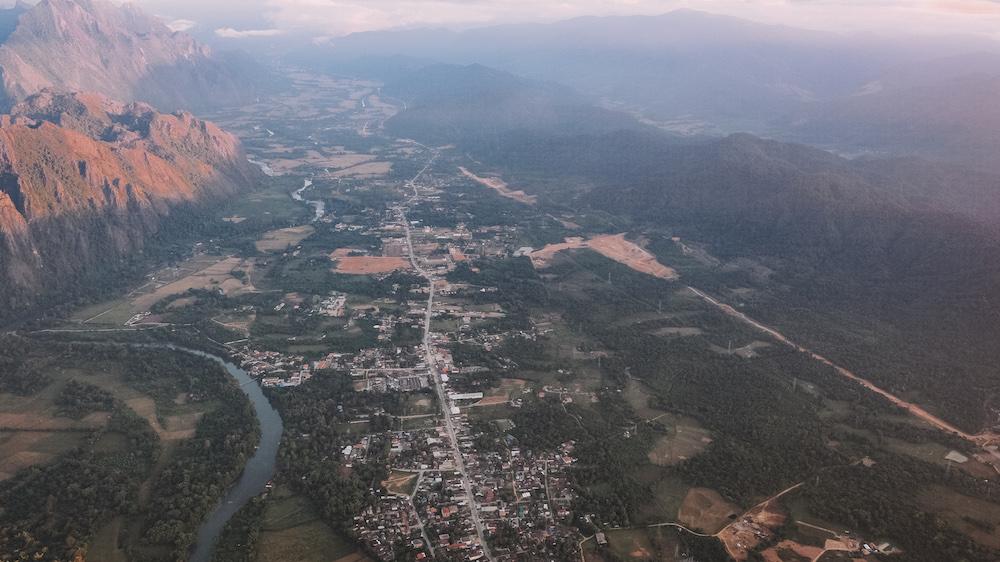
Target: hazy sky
point(339, 17)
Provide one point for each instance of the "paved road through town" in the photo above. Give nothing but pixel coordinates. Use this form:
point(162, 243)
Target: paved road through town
point(436, 372)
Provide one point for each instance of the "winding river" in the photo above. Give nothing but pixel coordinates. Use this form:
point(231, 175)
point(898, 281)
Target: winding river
point(319, 204)
point(258, 469)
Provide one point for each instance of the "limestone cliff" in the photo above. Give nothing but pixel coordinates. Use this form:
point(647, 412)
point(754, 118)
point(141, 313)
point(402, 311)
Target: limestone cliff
point(85, 181)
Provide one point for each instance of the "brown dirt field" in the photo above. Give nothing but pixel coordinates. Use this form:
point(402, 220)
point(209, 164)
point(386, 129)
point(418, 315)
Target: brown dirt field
point(281, 239)
point(540, 257)
point(146, 408)
point(610, 246)
point(397, 485)
point(369, 170)
point(501, 187)
point(367, 264)
point(199, 280)
point(623, 251)
point(706, 510)
point(790, 551)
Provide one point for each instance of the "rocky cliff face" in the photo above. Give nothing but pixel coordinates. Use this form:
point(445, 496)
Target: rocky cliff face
point(123, 53)
point(84, 180)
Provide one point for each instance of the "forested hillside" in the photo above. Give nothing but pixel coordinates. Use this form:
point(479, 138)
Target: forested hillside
point(880, 272)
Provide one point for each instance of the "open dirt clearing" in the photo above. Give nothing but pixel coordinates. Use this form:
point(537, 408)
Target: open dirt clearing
point(706, 510)
point(611, 246)
point(211, 277)
point(686, 442)
point(500, 187)
point(281, 239)
point(316, 159)
point(752, 528)
point(747, 351)
point(368, 264)
point(400, 483)
point(364, 171)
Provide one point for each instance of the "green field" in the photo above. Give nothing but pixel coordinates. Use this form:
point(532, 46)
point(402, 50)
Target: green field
point(293, 531)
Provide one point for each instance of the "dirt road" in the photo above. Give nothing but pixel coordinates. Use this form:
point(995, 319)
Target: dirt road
point(913, 409)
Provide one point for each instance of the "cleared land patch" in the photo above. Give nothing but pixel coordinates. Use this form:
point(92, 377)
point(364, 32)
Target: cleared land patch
point(746, 352)
point(400, 483)
point(359, 265)
point(283, 238)
point(705, 509)
point(367, 170)
point(293, 532)
point(613, 246)
point(215, 276)
point(687, 440)
point(21, 449)
point(500, 187)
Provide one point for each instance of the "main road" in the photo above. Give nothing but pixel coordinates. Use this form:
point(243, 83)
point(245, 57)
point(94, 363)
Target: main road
point(432, 364)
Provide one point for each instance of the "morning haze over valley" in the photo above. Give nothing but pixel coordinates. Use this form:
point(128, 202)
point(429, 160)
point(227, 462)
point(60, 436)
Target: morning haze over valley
point(596, 281)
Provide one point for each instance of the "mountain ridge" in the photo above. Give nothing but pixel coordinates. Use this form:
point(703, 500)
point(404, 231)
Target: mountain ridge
point(95, 189)
point(123, 53)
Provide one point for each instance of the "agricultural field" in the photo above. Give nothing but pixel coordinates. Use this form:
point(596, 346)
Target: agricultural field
point(704, 509)
point(293, 532)
point(686, 439)
point(279, 240)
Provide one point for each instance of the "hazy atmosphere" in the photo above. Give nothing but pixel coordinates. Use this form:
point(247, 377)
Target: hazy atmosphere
point(500, 281)
point(330, 18)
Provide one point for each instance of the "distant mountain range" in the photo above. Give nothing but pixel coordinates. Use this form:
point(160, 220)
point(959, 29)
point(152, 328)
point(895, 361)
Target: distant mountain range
point(449, 102)
point(121, 52)
point(697, 73)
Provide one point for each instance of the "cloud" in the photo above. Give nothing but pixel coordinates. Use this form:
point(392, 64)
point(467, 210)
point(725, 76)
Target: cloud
point(179, 25)
point(231, 33)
